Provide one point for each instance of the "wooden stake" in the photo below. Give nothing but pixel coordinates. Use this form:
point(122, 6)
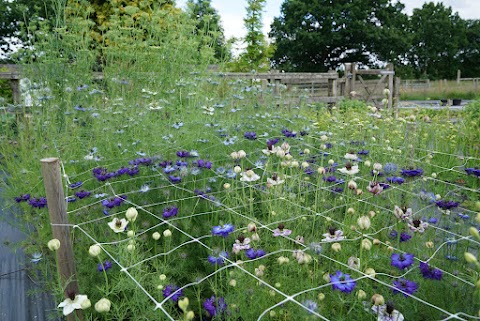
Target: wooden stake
point(57, 210)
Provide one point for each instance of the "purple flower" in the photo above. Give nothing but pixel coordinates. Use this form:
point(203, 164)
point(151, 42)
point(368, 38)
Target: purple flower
point(75, 185)
point(404, 286)
point(412, 172)
point(395, 180)
point(204, 164)
point(22, 198)
point(253, 254)
point(170, 212)
point(41, 202)
point(342, 282)
point(140, 161)
point(133, 171)
point(429, 272)
point(215, 307)
point(223, 230)
point(288, 133)
point(363, 152)
point(104, 266)
point(82, 194)
point(116, 201)
point(446, 205)
point(183, 153)
point(174, 179)
point(218, 260)
point(250, 135)
point(403, 236)
point(402, 261)
point(71, 199)
point(173, 292)
point(473, 171)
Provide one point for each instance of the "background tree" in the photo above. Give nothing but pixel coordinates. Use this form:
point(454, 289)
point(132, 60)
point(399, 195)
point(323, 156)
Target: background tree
point(208, 26)
point(438, 38)
point(470, 55)
point(14, 15)
point(322, 34)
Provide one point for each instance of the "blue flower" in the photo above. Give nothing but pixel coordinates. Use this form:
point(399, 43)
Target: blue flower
point(223, 230)
point(446, 205)
point(473, 171)
point(82, 194)
point(429, 272)
point(218, 260)
point(104, 266)
point(402, 261)
point(170, 212)
point(22, 198)
point(253, 254)
point(408, 287)
point(75, 185)
point(173, 292)
point(412, 172)
point(342, 282)
point(395, 180)
point(215, 306)
point(312, 306)
point(250, 135)
point(174, 179)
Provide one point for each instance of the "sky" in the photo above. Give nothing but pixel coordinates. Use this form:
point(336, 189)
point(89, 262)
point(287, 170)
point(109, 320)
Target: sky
point(232, 12)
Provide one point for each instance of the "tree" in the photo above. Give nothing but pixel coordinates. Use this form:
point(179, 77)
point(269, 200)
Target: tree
point(14, 15)
point(208, 25)
point(316, 35)
point(470, 55)
point(439, 36)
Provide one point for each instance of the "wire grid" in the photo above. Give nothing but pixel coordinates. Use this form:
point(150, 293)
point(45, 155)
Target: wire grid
point(242, 213)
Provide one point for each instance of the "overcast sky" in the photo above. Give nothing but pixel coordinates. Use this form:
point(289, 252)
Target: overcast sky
point(232, 12)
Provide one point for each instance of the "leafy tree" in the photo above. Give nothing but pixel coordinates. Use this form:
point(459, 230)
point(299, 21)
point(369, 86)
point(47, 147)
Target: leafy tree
point(15, 14)
point(470, 55)
point(208, 25)
point(257, 53)
point(438, 37)
point(316, 35)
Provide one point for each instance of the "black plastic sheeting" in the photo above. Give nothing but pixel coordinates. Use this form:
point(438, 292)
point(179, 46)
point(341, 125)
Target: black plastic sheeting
point(20, 298)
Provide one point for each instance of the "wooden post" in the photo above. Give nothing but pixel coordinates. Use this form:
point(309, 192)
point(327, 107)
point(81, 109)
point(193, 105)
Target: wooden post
point(390, 88)
point(56, 203)
point(459, 76)
point(15, 85)
point(348, 79)
point(396, 88)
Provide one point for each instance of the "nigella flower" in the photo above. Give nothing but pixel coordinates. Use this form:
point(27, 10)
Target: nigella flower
point(75, 185)
point(315, 247)
point(223, 230)
point(203, 164)
point(174, 179)
point(417, 225)
point(249, 176)
point(253, 254)
point(274, 180)
point(395, 180)
point(22, 198)
point(281, 231)
point(404, 286)
point(215, 306)
point(287, 133)
point(463, 216)
point(219, 259)
point(36, 257)
point(82, 194)
point(349, 169)
point(118, 225)
point(402, 261)
point(363, 152)
point(387, 312)
point(170, 212)
point(104, 266)
point(241, 243)
point(342, 282)
point(446, 205)
point(183, 153)
point(473, 171)
point(403, 236)
point(402, 214)
point(250, 135)
point(173, 292)
point(429, 272)
point(333, 235)
point(71, 199)
point(310, 305)
point(41, 202)
point(375, 188)
point(411, 172)
point(330, 179)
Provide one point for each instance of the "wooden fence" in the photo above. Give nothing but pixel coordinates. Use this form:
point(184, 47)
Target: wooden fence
point(308, 87)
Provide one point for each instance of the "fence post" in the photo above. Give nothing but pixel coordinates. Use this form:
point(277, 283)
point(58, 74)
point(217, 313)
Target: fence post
point(396, 88)
point(390, 88)
point(52, 179)
point(459, 76)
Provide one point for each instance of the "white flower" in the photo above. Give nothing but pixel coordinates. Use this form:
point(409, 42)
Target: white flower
point(387, 313)
point(274, 180)
point(351, 156)
point(333, 235)
point(349, 170)
point(118, 225)
point(249, 176)
point(241, 244)
point(131, 214)
point(79, 302)
point(417, 225)
point(103, 305)
point(53, 244)
point(402, 215)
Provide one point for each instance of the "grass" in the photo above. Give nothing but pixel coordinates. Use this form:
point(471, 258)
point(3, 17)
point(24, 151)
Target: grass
point(438, 90)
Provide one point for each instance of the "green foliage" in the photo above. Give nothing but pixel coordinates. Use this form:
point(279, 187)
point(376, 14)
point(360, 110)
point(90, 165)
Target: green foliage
point(322, 34)
point(472, 120)
point(208, 26)
point(438, 37)
point(349, 105)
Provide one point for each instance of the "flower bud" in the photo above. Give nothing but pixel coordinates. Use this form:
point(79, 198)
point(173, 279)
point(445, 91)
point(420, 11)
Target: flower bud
point(156, 236)
point(470, 258)
point(167, 233)
point(130, 233)
point(350, 210)
point(370, 272)
point(241, 154)
point(103, 305)
point(378, 299)
point(336, 247)
point(226, 185)
point(364, 222)
point(361, 294)
point(429, 244)
point(53, 244)
point(321, 170)
point(237, 169)
point(321, 296)
point(367, 163)
point(190, 315)
point(85, 304)
point(131, 247)
point(183, 304)
point(131, 214)
point(94, 250)
point(372, 214)
point(366, 244)
point(352, 184)
point(377, 167)
point(331, 162)
point(232, 283)
point(474, 232)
